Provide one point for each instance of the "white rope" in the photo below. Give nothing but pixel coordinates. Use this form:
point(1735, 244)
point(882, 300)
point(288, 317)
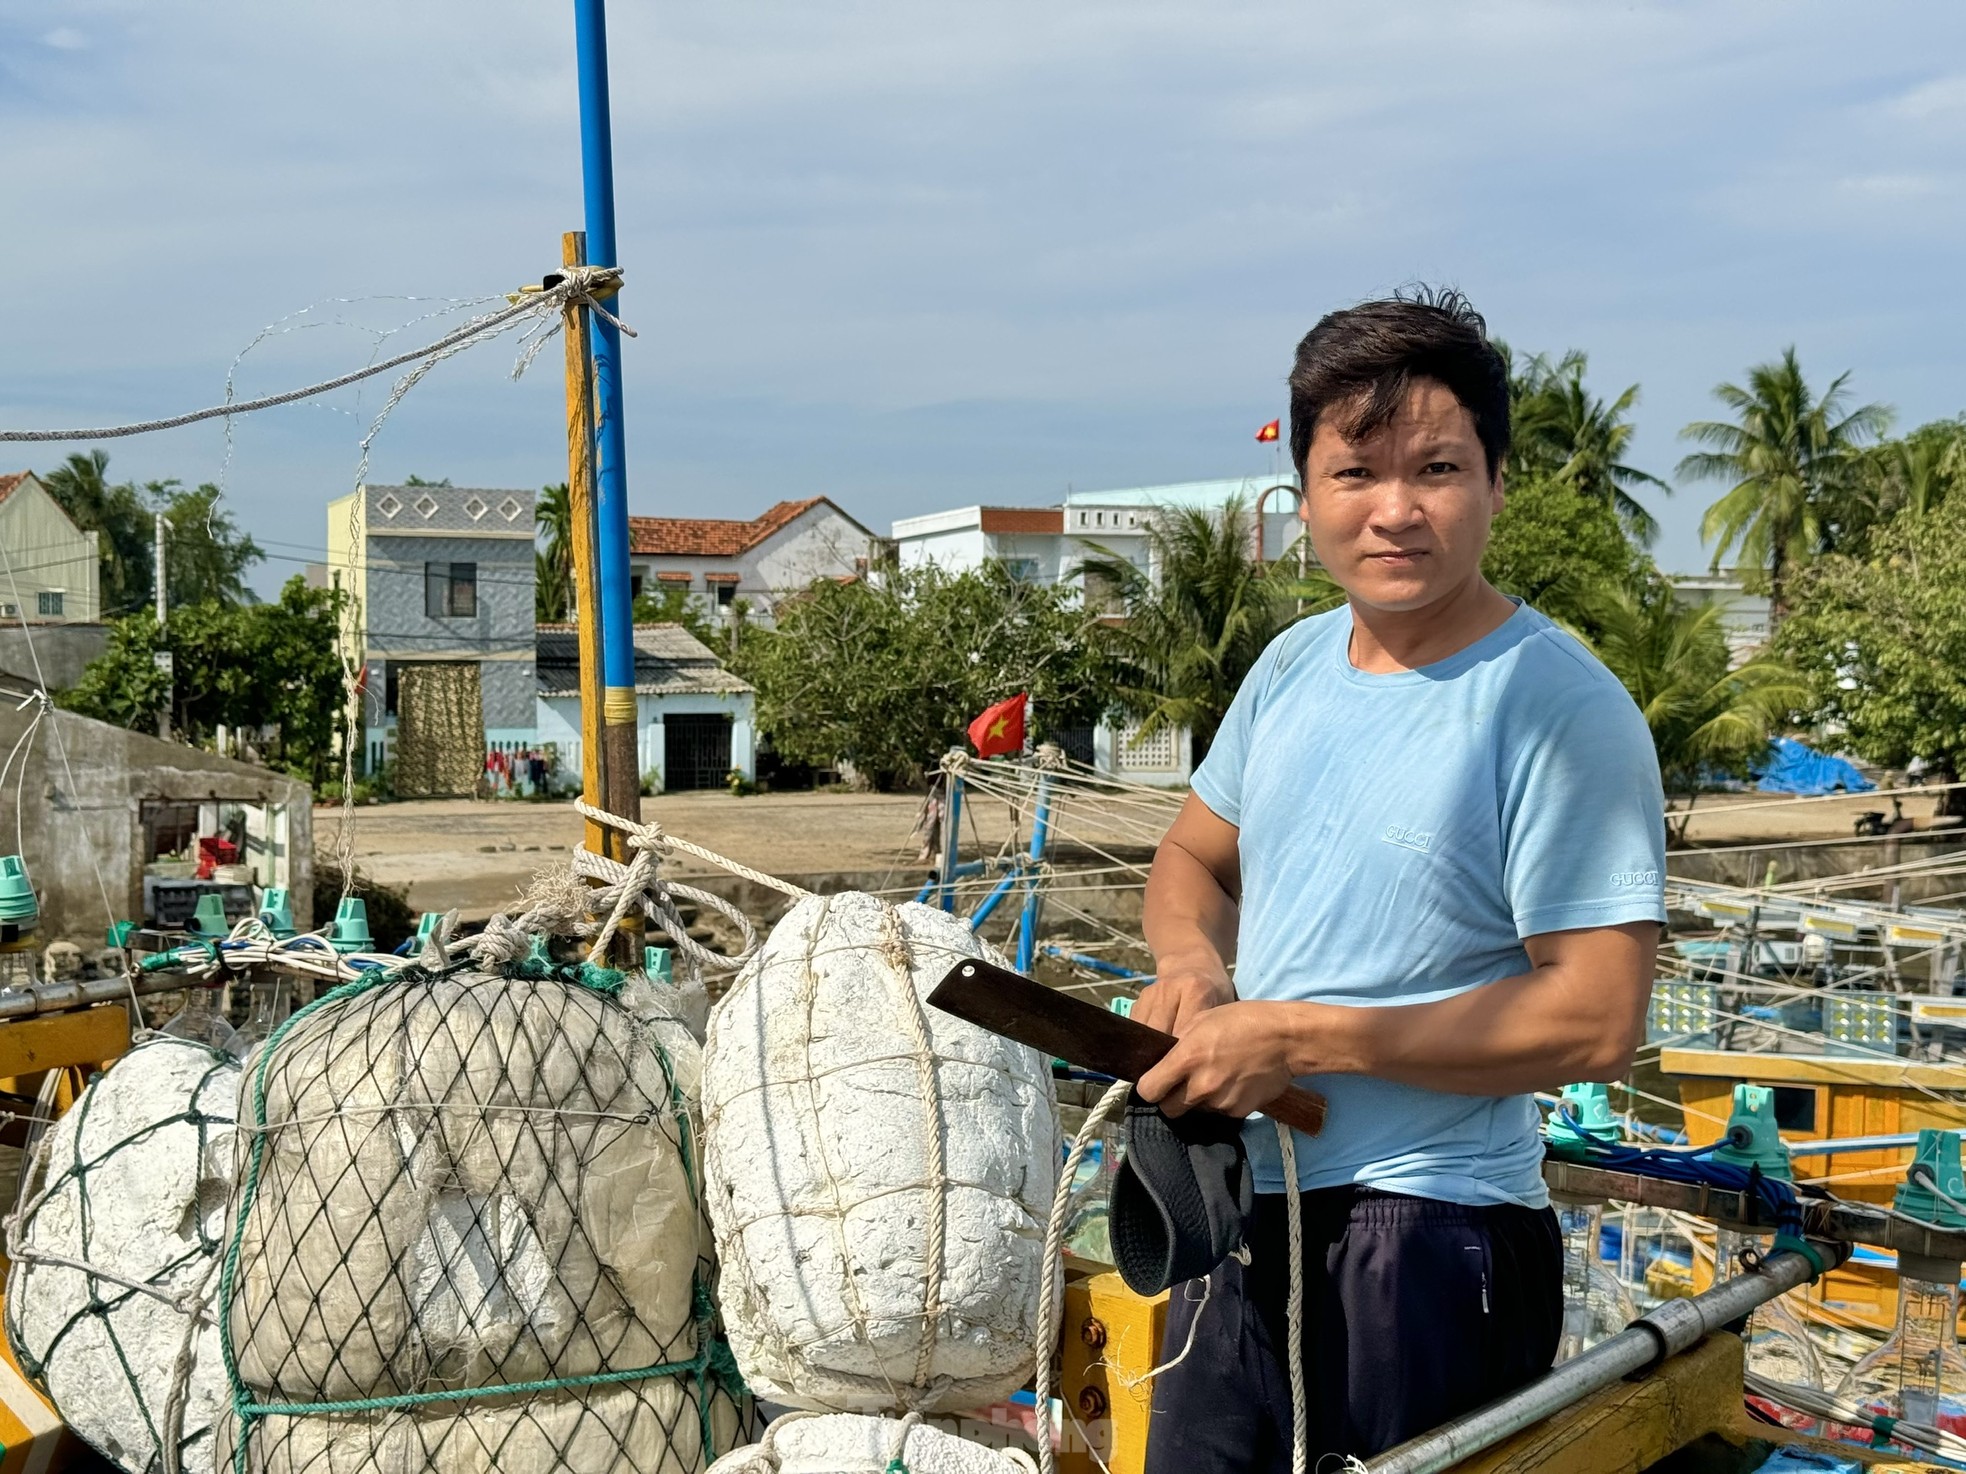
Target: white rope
point(576, 285)
point(1293, 1310)
point(1050, 1301)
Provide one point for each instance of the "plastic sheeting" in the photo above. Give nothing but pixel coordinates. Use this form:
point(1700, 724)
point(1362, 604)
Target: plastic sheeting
point(1793, 767)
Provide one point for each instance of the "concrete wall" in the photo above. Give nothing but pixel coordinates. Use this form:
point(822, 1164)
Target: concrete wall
point(83, 834)
point(46, 555)
point(63, 650)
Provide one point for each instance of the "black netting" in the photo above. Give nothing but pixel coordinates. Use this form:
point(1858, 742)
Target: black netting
point(468, 1235)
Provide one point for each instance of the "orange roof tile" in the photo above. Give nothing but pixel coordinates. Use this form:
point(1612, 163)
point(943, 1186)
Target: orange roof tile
point(713, 537)
point(10, 481)
point(1022, 519)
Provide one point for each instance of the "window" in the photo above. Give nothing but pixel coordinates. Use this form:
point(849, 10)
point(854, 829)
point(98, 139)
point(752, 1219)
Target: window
point(726, 595)
point(1024, 570)
point(450, 590)
point(48, 601)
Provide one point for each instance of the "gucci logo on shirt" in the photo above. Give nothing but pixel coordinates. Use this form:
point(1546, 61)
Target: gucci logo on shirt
point(1409, 839)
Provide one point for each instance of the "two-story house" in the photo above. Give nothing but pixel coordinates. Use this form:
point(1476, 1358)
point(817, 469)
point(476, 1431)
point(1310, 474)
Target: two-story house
point(718, 561)
point(53, 569)
point(442, 583)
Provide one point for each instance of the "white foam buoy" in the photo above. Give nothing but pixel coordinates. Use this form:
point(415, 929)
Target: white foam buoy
point(878, 1172)
point(132, 1181)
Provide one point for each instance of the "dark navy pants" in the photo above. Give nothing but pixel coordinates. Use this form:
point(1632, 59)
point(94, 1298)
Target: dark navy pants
point(1415, 1312)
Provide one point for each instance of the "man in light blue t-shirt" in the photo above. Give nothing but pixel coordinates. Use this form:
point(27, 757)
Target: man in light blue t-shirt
point(1422, 873)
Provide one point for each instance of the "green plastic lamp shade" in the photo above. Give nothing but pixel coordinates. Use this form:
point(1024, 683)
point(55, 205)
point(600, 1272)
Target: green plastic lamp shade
point(276, 912)
point(18, 908)
point(1752, 1140)
point(209, 919)
point(351, 926)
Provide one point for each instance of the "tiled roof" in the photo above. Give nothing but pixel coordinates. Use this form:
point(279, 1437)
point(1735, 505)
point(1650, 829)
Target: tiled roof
point(669, 661)
point(1021, 519)
point(714, 537)
point(10, 481)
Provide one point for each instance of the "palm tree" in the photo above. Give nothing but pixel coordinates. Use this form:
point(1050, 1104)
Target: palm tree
point(1787, 453)
point(1706, 715)
point(553, 586)
point(1195, 619)
point(117, 513)
point(1560, 428)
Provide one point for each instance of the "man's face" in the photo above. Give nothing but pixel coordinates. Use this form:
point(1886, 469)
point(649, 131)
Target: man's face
point(1400, 518)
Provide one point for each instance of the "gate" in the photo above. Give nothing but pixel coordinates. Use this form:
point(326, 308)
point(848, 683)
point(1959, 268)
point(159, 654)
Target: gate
point(695, 751)
point(440, 730)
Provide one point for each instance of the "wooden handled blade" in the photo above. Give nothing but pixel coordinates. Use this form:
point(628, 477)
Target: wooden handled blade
point(1081, 1033)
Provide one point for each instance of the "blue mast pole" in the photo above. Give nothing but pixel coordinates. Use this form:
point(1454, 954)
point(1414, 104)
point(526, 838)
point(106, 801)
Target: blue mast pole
point(611, 441)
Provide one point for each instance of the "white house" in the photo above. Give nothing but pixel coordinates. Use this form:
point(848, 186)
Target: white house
point(694, 719)
point(1743, 616)
point(720, 560)
point(1049, 545)
point(52, 569)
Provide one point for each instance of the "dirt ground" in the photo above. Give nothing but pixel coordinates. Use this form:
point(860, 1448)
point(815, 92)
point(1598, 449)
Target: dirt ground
point(480, 855)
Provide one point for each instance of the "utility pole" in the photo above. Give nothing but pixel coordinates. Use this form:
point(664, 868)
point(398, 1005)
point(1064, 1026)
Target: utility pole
point(162, 658)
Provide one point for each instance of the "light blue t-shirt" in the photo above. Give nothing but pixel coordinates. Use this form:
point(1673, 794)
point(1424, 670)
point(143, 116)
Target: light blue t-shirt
point(1400, 835)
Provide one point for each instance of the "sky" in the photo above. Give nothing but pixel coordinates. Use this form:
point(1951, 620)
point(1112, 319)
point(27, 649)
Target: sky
point(913, 255)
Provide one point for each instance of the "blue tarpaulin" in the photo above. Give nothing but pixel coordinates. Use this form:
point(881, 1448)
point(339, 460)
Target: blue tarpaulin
point(1791, 767)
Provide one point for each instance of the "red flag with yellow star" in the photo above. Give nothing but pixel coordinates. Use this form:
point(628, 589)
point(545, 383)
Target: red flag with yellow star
point(1001, 728)
point(1270, 431)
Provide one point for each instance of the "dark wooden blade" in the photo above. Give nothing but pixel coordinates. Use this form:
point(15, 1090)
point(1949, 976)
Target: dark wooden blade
point(1081, 1033)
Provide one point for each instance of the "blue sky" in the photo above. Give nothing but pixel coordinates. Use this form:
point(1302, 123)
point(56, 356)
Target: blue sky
point(914, 255)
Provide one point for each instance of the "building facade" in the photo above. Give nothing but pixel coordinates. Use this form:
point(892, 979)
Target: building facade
point(53, 569)
point(719, 561)
point(1050, 545)
point(694, 720)
point(441, 579)
point(1743, 616)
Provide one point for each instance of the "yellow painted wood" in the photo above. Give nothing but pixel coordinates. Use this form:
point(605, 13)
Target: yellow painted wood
point(1110, 1341)
point(1630, 1426)
point(1814, 1069)
point(57, 1040)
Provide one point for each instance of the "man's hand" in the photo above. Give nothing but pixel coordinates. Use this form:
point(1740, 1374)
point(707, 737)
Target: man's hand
point(1233, 1058)
point(1180, 994)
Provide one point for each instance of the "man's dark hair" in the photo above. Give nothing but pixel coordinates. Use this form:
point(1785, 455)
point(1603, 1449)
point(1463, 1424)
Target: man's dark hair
point(1361, 363)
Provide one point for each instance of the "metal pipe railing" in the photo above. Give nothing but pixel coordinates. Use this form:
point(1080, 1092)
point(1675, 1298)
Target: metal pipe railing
point(39, 998)
point(1649, 1340)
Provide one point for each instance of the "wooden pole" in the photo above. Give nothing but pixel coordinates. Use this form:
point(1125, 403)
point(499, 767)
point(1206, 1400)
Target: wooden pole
point(580, 507)
point(609, 771)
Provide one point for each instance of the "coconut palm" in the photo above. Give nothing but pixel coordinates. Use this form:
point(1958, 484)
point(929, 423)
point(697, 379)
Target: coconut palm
point(1197, 617)
point(1560, 428)
point(1706, 714)
point(1787, 453)
point(114, 511)
point(553, 570)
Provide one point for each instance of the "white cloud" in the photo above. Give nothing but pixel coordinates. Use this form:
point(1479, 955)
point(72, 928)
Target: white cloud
point(66, 38)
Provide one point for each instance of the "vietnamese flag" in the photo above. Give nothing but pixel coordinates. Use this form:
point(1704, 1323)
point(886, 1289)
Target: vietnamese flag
point(1001, 728)
point(1270, 431)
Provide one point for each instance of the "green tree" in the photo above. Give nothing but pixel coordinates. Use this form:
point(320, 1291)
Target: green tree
point(553, 582)
point(888, 674)
point(1559, 549)
point(1561, 430)
point(1911, 474)
point(116, 512)
point(1194, 626)
point(1789, 454)
point(1706, 714)
point(205, 554)
point(262, 665)
point(668, 604)
point(1882, 641)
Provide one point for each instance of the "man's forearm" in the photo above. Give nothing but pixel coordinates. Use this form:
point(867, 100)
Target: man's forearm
point(1540, 1030)
point(1188, 920)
